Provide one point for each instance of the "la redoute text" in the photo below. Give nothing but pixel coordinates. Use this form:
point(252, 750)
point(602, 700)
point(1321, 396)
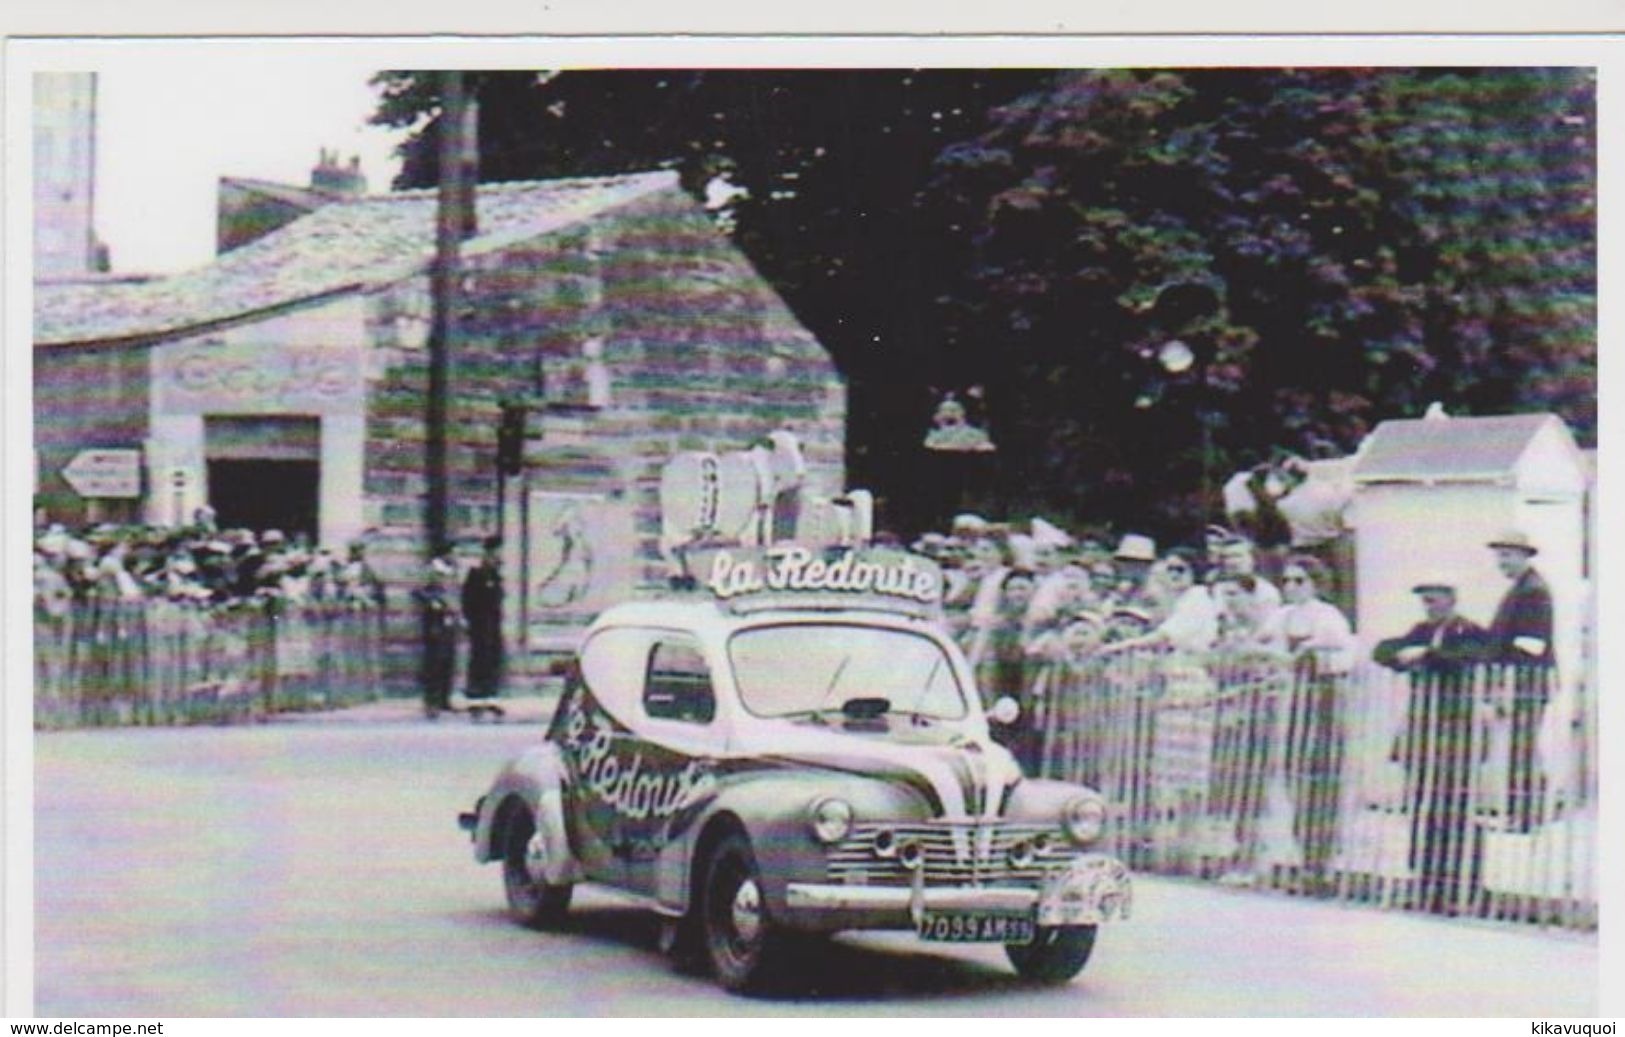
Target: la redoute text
point(794, 568)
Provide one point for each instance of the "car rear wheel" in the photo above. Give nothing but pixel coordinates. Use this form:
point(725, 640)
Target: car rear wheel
point(740, 940)
point(1056, 954)
point(530, 900)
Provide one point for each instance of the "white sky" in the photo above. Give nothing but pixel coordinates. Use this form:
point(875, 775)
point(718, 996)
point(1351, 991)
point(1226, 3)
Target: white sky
point(167, 133)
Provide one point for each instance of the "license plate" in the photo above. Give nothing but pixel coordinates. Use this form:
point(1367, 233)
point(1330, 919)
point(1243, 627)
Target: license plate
point(975, 927)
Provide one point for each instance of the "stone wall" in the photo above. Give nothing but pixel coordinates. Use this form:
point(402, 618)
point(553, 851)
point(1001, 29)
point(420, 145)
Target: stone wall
point(86, 397)
point(638, 334)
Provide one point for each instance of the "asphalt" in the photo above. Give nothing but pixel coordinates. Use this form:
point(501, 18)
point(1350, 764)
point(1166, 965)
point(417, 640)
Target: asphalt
point(313, 867)
point(535, 708)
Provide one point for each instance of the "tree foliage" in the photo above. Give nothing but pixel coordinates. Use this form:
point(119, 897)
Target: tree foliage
point(1371, 241)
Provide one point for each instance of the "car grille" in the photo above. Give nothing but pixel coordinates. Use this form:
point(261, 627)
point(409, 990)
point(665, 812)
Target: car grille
point(954, 853)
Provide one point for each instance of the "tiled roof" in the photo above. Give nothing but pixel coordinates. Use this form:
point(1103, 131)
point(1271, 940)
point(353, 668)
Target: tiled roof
point(346, 245)
point(1448, 448)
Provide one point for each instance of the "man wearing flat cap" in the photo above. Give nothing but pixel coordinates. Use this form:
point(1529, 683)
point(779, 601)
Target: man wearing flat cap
point(1437, 744)
point(1522, 629)
point(1520, 637)
point(1443, 637)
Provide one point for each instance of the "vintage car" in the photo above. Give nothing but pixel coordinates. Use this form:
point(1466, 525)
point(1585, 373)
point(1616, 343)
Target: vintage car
point(796, 756)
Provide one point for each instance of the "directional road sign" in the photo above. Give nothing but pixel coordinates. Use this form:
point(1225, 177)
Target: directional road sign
point(105, 473)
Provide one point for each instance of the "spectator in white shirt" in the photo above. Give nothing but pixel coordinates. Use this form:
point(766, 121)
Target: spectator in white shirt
point(1238, 557)
point(1306, 623)
point(1243, 623)
point(1192, 622)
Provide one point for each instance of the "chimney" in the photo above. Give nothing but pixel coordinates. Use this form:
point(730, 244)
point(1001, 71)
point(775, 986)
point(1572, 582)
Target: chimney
point(329, 175)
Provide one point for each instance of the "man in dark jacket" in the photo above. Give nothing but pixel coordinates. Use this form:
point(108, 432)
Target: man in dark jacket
point(1437, 745)
point(1521, 632)
point(1521, 639)
point(482, 610)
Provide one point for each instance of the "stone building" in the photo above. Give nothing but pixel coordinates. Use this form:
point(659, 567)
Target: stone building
point(284, 383)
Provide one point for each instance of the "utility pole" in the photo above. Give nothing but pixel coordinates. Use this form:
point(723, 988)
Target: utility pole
point(459, 169)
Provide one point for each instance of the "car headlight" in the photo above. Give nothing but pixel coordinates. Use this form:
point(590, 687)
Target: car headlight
point(1084, 819)
point(831, 819)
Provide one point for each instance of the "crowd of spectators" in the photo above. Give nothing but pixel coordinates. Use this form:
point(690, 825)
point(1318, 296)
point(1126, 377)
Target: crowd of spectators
point(199, 565)
point(1016, 596)
point(1051, 621)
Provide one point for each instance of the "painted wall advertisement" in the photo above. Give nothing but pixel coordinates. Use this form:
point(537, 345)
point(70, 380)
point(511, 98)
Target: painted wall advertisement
point(579, 561)
point(217, 377)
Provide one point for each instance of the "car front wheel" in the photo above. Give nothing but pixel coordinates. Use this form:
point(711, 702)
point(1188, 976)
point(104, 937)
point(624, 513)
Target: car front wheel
point(740, 940)
point(1056, 954)
point(530, 900)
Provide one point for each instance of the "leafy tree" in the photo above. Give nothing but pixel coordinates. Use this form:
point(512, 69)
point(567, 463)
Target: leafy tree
point(1376, 240)
point(1358, 242)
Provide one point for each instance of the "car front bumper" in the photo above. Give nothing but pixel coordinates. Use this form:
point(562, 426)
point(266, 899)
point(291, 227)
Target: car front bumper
point(1093, 889)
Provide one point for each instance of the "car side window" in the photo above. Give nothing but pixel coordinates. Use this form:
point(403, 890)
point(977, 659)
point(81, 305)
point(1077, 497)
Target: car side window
point(678, 685)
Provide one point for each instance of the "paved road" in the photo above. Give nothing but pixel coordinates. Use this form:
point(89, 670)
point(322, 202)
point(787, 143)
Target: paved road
point(313, 867)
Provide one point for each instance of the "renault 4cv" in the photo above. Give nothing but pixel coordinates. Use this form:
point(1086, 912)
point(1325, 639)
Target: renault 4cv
point(801, 752)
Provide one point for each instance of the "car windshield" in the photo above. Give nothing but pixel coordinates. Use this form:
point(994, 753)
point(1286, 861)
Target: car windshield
point(812, 667)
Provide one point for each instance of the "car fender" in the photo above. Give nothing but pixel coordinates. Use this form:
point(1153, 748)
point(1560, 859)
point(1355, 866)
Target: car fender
point(535, 780)
point(770, 807)
point(1043, 799)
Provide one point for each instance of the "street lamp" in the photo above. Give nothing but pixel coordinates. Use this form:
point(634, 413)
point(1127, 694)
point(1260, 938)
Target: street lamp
point(1179, 307)
point(1177, 358)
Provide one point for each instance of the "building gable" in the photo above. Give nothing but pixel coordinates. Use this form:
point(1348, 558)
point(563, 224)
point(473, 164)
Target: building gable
point(1460, 449)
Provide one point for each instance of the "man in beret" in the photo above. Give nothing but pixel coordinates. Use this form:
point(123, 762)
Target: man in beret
point(1436, 745)
point(1520, 637)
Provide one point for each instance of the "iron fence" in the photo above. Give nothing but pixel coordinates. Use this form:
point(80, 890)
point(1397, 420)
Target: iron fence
point(107, 662)
point(1466, 789)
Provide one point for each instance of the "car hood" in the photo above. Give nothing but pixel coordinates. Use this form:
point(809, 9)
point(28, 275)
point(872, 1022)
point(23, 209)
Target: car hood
point(962, 776)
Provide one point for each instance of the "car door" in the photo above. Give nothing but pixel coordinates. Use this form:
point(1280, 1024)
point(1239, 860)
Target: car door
point(639, 738)
point(594, 734)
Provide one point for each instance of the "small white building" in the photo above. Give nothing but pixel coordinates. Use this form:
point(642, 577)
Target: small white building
point(1430, 493)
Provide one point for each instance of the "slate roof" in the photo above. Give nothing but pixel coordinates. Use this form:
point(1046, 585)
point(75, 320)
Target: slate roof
point(347, 245)
point(1462, 449)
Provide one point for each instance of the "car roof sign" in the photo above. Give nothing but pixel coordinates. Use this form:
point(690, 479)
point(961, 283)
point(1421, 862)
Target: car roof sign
point(793, 576)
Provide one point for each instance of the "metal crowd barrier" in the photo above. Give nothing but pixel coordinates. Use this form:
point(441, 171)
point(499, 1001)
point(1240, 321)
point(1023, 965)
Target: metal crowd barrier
point(1457, 790)
point(112, 662)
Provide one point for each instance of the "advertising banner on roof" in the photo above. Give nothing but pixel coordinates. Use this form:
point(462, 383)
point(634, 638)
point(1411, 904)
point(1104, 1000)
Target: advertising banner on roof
point(797, 576)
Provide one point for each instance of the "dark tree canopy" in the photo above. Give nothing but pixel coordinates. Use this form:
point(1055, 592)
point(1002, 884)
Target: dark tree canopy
point(1343, 246)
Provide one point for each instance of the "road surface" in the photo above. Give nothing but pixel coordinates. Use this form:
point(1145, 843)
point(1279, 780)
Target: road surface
point(313, 867)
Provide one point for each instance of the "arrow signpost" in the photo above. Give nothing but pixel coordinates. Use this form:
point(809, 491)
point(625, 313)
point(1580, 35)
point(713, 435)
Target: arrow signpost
point(105, 473)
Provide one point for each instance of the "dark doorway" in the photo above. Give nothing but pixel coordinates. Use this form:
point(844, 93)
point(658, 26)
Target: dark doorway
point(259, 495)
point(264, 471)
